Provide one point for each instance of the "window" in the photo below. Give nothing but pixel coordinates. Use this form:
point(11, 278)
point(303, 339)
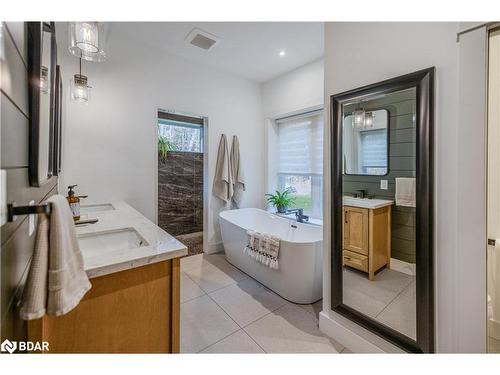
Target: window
point(300, 149)
point(373, 151)
point(184, 133)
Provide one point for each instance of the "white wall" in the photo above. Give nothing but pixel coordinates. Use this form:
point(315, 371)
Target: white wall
point(300, 90)
point(357, 54)
point(110, 143)
point(294, 91)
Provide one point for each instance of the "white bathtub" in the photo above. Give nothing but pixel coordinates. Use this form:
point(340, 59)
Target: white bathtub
point(299, 277)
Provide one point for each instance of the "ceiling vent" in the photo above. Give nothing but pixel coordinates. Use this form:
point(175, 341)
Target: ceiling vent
point(202, 39)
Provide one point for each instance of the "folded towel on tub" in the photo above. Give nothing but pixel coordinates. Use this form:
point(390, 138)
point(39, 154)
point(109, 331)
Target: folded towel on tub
point(263, 248)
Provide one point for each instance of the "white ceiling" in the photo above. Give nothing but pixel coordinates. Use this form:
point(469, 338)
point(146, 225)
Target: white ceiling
point(248, 49)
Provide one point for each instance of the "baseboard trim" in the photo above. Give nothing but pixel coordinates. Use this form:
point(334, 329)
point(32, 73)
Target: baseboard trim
point(404, 267)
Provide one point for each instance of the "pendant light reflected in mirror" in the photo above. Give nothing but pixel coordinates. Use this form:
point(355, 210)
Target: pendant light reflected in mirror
point(44, 80)
point(362, 119)
point(87, 40)
point(80, 90)
point(358, 118)
point(368, 119)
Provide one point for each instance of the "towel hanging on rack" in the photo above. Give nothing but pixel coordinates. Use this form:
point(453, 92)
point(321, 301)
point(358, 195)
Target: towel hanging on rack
point(237, 171)
point(223, 179)
point(56, 280)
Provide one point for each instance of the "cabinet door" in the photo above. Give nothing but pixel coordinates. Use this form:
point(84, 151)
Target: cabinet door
point(356, 229)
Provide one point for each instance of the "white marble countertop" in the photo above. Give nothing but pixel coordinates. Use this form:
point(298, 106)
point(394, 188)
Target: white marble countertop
point(366, 202)
point(161, 245)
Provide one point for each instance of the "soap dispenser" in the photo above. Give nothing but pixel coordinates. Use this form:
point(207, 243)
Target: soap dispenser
point(74, 203)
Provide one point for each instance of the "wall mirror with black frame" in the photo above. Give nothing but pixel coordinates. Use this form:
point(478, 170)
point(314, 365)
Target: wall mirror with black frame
point(58, 122)
point(41, 75)
point(382, 270)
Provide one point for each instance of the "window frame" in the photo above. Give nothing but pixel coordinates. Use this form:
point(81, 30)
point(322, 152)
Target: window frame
point(183, 121)
point(316, 193)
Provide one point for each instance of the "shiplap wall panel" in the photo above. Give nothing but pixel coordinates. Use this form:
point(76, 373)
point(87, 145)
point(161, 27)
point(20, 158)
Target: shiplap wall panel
point(19, 191)
point(17, 245)
point(14, 136)
point(14, 75)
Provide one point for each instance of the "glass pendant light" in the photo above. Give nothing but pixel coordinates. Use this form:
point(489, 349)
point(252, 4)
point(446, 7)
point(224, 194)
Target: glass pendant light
point(87, 40)
point(359, 118)
point(368, 119)
point(80, 91)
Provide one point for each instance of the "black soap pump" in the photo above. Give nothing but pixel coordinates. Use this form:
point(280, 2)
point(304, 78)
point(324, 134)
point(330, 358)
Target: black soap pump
point(74, 203)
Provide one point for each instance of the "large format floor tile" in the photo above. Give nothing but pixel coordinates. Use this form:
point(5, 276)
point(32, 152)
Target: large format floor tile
point(290, 329)
point(238, 342)
point(401, 315)
point(314, 309)
point(210, 277)
point(191, 261)
point(247, 301)
point(203, 323)
point(363, 303)
point(189, 289)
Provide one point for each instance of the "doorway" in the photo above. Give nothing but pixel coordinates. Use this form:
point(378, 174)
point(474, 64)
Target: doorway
point(181, 161)
point(493, 195)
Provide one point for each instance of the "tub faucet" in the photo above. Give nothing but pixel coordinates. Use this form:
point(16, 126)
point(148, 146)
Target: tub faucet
point(299, 214)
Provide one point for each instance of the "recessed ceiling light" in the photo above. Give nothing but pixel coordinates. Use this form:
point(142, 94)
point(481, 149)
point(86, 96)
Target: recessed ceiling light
point(282, 53)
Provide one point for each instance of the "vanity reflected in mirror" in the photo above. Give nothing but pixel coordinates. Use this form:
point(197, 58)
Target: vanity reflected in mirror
point(382, 209)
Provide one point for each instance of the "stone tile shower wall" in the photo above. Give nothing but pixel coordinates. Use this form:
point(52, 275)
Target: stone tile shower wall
point(180, 193)
point(402, 163)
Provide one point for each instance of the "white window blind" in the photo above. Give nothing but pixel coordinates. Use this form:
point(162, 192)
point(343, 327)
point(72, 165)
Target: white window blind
point(301, 144)
point(374, 151)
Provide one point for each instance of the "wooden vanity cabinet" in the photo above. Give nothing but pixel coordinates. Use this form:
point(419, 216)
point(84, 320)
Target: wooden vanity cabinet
point(131, 311)
point(367, 238)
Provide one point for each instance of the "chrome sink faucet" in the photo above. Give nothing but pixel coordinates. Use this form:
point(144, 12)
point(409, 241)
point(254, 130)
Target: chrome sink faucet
point(299, 214)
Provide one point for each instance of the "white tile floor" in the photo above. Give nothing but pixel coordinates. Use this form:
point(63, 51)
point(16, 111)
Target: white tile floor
point(225, 311)
point(390, 298)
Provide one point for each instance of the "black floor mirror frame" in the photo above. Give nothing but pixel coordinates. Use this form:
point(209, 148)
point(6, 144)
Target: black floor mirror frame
point(423, 81)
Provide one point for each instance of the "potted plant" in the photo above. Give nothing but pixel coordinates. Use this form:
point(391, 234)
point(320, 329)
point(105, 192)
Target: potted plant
point(164, 146)
point(280, 200)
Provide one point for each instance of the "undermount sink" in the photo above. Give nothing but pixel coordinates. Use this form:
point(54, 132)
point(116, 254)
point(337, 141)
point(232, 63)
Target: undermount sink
point(366, 202)
point(108, 241)
point(91, 208)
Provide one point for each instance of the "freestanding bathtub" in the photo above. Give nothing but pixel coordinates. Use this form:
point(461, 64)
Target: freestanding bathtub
point(299, 277)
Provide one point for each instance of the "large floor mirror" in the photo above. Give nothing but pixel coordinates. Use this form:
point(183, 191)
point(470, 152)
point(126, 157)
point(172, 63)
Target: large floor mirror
point(382, 209)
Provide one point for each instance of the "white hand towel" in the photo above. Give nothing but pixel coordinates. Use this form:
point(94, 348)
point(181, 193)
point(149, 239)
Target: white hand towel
point(237, 171)
point(405, 191)
point(223, 179)
point(56, 280)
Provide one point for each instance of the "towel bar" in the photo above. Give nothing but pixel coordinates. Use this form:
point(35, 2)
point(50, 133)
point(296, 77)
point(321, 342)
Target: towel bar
point(13, 210)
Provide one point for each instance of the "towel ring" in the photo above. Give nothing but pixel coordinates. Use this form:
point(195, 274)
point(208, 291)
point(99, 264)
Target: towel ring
point(13, 210)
